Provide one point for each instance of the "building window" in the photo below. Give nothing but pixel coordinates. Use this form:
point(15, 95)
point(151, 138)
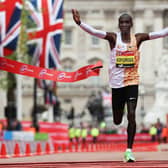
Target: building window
point(149, 29)
point(68, 37)
point(94, 81)
point(165, 24)
point(95, 41)
point(67, 64)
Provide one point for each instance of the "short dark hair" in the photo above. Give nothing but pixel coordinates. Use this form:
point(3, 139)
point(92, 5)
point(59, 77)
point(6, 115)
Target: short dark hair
point(126, 15)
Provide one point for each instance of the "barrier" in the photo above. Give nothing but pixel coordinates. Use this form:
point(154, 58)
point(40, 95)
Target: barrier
point(50, 148)
point(57, 132)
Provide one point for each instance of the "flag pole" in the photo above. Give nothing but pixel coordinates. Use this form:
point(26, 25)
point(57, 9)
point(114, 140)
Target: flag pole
point(19, 97)
point(34, 112)
point(21, 52)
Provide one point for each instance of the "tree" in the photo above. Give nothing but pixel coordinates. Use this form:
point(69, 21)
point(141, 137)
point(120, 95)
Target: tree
point(21, 54)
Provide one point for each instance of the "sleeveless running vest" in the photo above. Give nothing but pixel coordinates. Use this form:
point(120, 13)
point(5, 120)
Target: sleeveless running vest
point(124, 60)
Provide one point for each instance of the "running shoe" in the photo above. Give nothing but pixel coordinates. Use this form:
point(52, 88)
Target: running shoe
point(128, 157)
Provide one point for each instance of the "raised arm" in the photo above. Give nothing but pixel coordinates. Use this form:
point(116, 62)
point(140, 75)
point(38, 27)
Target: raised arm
point(141, 37)
point(158, 34)
point(87, 28)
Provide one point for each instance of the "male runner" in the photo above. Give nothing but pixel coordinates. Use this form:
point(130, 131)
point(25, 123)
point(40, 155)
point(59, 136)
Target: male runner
point(123, 70)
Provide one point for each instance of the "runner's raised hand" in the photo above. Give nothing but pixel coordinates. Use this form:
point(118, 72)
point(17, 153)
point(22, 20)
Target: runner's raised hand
point(76, 16)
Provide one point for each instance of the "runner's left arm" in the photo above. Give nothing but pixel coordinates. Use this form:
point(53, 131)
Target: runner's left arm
point(141, 37)
point(159, 34)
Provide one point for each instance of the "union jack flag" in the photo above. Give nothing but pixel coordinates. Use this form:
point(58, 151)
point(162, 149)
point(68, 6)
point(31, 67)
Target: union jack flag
point(45, 39)
point(10, 11)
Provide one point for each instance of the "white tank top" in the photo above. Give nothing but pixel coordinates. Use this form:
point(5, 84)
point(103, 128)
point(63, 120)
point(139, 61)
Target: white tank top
point(121, 77)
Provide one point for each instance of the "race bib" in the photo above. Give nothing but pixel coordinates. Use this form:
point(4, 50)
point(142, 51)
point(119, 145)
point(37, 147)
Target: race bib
point(125, 59)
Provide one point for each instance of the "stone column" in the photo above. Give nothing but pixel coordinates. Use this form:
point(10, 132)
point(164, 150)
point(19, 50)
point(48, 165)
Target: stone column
point(138, 21)
point(160, 107)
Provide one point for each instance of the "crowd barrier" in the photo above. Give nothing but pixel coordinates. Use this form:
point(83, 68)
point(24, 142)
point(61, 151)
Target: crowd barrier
point(53, 138)
point(25, 149)
point(58, 132)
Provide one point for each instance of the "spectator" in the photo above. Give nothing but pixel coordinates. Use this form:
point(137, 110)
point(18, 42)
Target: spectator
point(94, 133)
point(16, 125)
point(153, 133)
point(159, 127)
point(77, 133)
point(143, 129)
point(84, 133)
point(164, 134)
point(71, 133)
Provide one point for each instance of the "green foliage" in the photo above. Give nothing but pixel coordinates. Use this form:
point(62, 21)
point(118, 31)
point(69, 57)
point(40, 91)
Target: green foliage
point(8, 80)
point(5, 81)
point(22, 49)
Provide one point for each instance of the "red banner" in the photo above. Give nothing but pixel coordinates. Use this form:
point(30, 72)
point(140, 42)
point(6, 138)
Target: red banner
point(49, 74)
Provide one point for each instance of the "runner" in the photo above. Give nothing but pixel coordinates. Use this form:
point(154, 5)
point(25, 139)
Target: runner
point(123, 70)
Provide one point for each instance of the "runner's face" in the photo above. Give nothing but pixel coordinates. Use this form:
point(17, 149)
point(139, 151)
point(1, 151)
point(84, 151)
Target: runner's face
point(125, 24)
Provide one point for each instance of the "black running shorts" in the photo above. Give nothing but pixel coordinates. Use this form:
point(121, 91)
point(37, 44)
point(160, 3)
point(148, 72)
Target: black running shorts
point(122, 95)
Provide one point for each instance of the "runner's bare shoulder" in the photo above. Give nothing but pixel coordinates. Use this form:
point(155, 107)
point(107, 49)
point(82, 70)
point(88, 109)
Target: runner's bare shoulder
point(110, 36)
point(141, 37)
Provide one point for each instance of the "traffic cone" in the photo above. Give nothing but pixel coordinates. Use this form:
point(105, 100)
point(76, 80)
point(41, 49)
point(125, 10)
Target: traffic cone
point(63, 147)
point(97, 147)
point(3, 153)
point(47, 148)
point(92, 147)
point(28, 150)
point(38, 149)
point(76, 147)
point(87, 147)
point(55, 147)
point(70, 147)
point(17, 151)
point(82, 147)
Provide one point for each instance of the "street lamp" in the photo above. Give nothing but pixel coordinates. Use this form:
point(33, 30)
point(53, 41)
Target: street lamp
point(142, 94)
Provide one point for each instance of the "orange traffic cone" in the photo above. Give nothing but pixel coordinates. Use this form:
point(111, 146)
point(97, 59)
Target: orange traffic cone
point(28, 150)
point(83, 146)
point(87, 147)
point(70, 147)
point(76, 147)
point(17, 151)
point(47, 148)
point(38, 149)
point(3, 153)
point(92, 147)
point(55, 147)
point(63, 147)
